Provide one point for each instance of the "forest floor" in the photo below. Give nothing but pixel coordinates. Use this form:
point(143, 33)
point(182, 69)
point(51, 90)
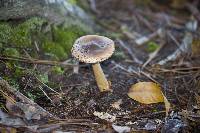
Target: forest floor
point(77, 97)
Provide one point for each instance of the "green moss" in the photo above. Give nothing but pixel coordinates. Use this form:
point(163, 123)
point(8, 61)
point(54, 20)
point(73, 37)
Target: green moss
point(31, 96)
point(119, 55)
point(54, 50)
point(66, 36)
point(73, 2)
point(57, 70)
point(44, 78)
point(63, 37)
point(55, 43)
point(5, 32)
point(13, 82)
point(21, 34)
point(11, 52)
point(152, 46)
point(18, 72)
point(114, 35)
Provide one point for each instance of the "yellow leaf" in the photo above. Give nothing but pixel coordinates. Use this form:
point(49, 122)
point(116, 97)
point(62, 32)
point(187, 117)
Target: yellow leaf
point(148, 93)
point(196, 47)
point(13, 130)
point(178, 4)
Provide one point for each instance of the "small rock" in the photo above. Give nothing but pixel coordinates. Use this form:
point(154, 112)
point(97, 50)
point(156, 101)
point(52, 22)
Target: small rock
point(121, 129)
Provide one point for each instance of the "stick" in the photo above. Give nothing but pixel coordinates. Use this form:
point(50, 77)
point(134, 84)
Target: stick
point(36, 61)
point(193, 9)
point(134, 58)
point(145, 39)
point(40, 87)
point(153, 55)
point(47, 85)
point(6, 87)
point(184, 47)
point(145, 22)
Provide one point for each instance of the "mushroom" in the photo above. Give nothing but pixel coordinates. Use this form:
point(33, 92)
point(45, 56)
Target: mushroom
point(94, 49)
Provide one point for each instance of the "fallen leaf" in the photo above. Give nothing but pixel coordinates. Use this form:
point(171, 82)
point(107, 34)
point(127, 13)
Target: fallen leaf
point(196, 47)
point(8, 130)
point(178, 4)
point(105, 116)
point(117, 104)
point(197, 97)
point(148, 93)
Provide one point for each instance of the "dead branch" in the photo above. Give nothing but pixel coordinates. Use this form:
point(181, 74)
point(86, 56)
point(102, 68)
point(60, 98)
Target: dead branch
point(162, 16)
point(93, 6)
point(134, 58)
point(145, 22)
point(193, 9)
point(153, 55)
point(184, 47)
point(7, 88)
point(144, 39)
point(36, 61)
point(179, 70)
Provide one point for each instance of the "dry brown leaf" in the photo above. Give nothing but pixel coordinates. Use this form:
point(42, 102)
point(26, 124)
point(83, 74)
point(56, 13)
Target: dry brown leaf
point(178, 4)
point(117, 104)
point(196, 47)
point(7, 130)
point(148, 93)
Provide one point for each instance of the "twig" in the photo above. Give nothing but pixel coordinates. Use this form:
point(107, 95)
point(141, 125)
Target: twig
point(162, 16)
point(149, 77)
point(134, 58)
point(187, 40)
point(144, 39)
point(153, 55)
point(130, 71)
point(193, 9)
point(5, 87)
point(178, 70)
point(72, 85)
point(145, 22)
point(93, 6)
point(60, 123)
point(40, 87)
point(135, 72)
point(152, 114)
point(36, 46)
point(173, 38)
point(46, 85)
point(36, 61)
point(10, 99)
point(128, 34)
point(185, 69)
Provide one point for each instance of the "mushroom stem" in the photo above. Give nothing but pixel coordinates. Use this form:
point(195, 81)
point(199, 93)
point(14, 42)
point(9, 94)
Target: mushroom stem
point(101, 80)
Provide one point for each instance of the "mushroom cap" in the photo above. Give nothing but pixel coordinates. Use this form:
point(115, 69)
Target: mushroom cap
point(93, 48)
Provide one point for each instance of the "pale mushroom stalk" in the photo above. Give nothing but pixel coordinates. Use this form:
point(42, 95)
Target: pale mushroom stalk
point(101, 80)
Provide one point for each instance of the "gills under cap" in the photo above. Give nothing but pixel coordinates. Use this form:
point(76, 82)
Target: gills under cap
point(93, 48)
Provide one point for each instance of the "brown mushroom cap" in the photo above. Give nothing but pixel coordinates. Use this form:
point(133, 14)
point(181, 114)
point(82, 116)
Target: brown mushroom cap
point(93, 48)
